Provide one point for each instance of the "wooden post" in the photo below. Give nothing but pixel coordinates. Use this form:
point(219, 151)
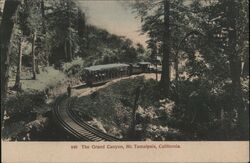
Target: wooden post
point(137, 95)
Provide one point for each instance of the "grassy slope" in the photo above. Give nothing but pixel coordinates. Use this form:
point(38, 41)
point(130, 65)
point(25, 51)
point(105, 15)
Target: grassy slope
point(27, 106)
point(48, 78)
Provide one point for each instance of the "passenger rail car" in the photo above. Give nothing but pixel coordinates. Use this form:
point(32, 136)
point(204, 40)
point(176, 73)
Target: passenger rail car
point(104, 73)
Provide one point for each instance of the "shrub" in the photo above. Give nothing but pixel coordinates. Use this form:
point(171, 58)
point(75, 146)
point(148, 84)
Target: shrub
point(74, 68)
point(24, 103)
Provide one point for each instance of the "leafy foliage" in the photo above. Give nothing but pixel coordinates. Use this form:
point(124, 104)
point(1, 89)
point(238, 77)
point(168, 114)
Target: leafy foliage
point(211, 60)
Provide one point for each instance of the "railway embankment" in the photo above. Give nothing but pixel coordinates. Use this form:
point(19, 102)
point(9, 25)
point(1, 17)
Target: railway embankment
point(109, 108)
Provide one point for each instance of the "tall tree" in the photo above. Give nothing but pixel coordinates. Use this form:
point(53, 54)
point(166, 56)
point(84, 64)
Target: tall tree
point(225, 24)
point(31, 25)
point(63, 24)
point(44, 32)
point(6, 28)
point(17, 85)
point(33, 56)
point(152, 45)
point(166, 22)
point(165, 75)
point(232, 13)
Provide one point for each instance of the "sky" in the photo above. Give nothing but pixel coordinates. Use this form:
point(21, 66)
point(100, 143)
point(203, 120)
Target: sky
point(1, 5)
point(115, 17)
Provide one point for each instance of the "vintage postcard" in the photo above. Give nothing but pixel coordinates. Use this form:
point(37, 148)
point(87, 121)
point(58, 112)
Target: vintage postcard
point(124, 81)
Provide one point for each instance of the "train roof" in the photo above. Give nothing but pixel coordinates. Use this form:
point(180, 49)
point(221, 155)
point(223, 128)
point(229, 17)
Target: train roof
point(106, 67)
point(144, 63)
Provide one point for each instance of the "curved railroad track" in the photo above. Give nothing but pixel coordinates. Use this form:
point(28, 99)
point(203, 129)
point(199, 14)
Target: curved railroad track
point(69, 121)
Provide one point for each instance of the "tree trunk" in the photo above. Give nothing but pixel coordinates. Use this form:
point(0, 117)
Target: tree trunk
point(33, 57)
point(177, 78)
point(68, 40)
point(235, 65)
point(70, 50)
point(65, 50)
point(81, 23)
point(156, 72)
point(6, 28)
point(47, 57)
point(46, 53)
point(5, 35)
point(43, 14)
point(37, 67)
point(165, 75)
point(17, 85)
point(87, 31)
point(222, 117)
point(245, 69)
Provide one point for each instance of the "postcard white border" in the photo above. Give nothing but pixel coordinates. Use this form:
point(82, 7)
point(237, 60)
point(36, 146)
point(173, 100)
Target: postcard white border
point(32, 152)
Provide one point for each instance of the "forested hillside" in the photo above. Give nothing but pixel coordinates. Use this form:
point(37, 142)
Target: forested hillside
point(55, 32)
point(44, 36)
point(203, 91)
point(208, 42)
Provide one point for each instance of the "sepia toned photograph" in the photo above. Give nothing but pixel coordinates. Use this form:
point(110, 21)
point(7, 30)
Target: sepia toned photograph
point(124, 70)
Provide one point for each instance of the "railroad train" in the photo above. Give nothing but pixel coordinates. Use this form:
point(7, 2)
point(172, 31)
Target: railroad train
point(104, 73)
